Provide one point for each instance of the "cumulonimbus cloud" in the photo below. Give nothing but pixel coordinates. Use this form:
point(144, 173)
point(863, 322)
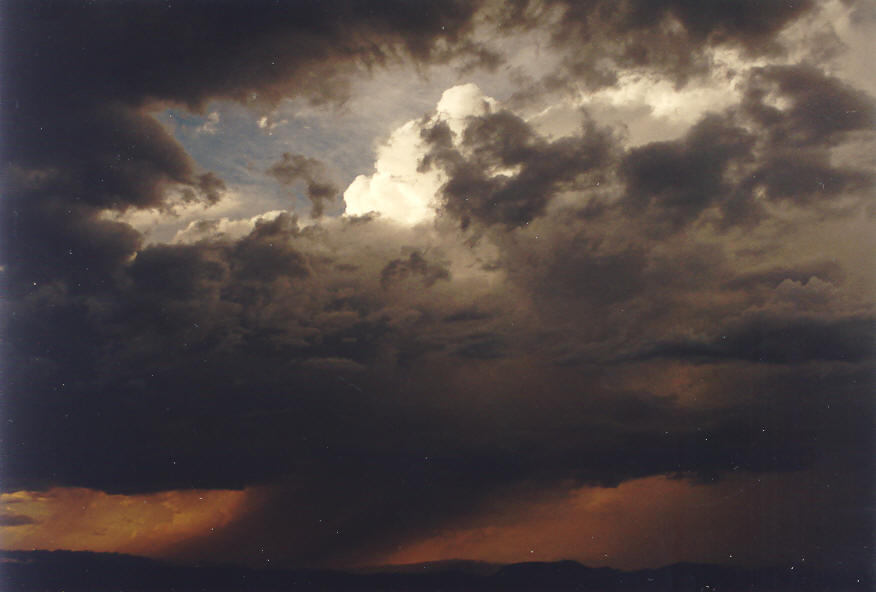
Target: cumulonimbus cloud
point(480, 319)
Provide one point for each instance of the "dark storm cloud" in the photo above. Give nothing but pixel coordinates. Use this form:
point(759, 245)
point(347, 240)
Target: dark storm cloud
point(268, 253)
point(795, 138)
point(500, 171)
point(102, 153)
point(666, 37)
point(749, 23)
point(77, 139)
point(196, 357)
point(505, 173)
point(59, 240)
point(296, 167)
point(75, 106)
point(483, 346)
point(210, 186)
point(371, 388)
point(802, 177)
point(783, 341)
point(414, 480)
point(723, 160)
point(822, 109)
point(581, 270)
point(470, 314)
point(211, 49)
point(414, 265)
point(76, 129)
point(224, 364)
point(683, 177)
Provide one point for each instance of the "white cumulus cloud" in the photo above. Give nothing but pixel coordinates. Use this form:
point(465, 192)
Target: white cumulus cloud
point(397, 190)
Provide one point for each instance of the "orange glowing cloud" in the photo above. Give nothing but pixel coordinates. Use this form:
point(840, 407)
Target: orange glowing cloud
point(82, 519)
point(644, 523)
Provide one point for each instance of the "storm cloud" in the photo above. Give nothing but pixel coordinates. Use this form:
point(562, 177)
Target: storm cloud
point(572, 305)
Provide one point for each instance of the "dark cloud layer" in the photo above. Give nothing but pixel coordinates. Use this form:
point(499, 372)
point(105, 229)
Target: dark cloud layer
point(682, 178)
point(793, 341)
point(237, 51)
point(822, 108)
point(374, 383)
point(400, 269)
point(666, 37)
point(296, 167)
point(504, 172)
point(76, 127)
point(478, 188)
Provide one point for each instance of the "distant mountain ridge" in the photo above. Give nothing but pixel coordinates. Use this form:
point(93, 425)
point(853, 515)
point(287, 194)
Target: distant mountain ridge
point(38, 571)
point(468, 566)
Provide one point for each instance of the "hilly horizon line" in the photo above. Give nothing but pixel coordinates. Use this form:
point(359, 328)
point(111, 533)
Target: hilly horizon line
point(26, 570)
point(376, 568)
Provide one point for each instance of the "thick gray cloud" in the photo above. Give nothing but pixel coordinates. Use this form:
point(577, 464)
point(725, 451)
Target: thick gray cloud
point(822, 108)
point(296, 167)
point(479, 188)
point(668, 38)
point(782, 341)
point(400, 269)
point(682, 178)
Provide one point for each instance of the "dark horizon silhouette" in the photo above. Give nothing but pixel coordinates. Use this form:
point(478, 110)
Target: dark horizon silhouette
point(27, 571)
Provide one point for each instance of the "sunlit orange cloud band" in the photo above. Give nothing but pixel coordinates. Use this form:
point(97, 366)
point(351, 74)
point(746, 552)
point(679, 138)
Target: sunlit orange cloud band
point(82, 519)
point(645, 522)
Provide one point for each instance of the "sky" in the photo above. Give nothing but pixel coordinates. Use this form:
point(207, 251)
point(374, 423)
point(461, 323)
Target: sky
point(350, 283)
